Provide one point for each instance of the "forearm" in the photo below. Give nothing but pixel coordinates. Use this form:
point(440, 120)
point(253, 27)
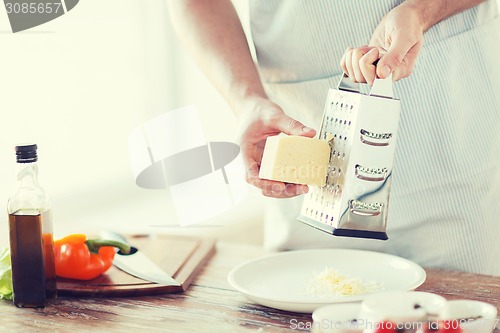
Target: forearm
point(432, 12)
point(212, 32)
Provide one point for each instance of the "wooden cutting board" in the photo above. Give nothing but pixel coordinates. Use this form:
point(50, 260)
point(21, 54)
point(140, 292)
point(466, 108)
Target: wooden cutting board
point(179, 256)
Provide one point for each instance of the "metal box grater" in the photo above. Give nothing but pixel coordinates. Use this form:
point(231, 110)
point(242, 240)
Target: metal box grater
point(362, 133)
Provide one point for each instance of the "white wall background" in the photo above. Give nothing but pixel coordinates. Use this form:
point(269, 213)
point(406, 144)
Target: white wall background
point(77, 86)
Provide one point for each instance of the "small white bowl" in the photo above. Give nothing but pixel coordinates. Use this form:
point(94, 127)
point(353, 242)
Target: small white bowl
point(408, 306)
point(474, 316)
point(338, 318)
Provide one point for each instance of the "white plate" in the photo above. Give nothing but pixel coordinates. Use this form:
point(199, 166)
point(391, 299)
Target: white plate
point(280, 280)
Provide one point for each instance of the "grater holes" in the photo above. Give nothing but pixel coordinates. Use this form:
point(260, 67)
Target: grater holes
point(375, 139)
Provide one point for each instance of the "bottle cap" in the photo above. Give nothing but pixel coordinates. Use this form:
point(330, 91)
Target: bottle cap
point(26, 153)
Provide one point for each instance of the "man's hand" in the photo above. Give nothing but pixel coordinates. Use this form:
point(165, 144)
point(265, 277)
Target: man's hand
point(397, 40)
point(260, 119)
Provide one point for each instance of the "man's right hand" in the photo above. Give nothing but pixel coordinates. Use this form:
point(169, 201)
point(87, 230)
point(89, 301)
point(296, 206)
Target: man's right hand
point(259, 119)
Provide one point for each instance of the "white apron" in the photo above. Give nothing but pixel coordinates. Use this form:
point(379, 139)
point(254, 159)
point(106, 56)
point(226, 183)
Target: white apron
point(445, 195)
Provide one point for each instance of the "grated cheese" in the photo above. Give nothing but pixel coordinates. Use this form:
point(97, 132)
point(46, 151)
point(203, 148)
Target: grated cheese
point(330, 283)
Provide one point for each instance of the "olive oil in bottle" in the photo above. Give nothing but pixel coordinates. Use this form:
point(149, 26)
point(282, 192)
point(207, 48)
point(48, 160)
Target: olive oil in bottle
point(30, 232)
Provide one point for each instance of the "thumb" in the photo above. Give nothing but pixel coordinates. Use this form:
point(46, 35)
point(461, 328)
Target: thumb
point(394, 57)
point(291, 126)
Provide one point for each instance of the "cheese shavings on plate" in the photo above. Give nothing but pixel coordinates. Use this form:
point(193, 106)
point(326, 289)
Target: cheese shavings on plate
point(330, 283)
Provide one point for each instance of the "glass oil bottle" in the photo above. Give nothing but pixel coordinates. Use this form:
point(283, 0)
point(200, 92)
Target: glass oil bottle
point(30, 233)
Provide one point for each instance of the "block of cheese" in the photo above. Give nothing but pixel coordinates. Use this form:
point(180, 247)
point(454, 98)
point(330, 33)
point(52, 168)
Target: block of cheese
point(295, 159)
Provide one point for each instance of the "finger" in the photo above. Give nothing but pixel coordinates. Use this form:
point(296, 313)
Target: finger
point(366, 65)
point(252, 173)
point(291, 126)
point(395, 54)
point(357, 54)
point(290, 191)
point(348, 63)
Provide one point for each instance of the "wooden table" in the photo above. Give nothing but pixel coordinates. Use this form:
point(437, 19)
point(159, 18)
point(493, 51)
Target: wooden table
point(210, 304)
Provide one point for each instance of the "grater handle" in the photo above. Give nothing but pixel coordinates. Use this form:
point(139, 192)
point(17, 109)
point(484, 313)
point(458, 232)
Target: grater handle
point(380, 88)
point(347, 84)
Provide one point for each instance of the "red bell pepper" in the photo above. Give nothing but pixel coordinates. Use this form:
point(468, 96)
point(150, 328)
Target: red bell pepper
point(77, 257)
